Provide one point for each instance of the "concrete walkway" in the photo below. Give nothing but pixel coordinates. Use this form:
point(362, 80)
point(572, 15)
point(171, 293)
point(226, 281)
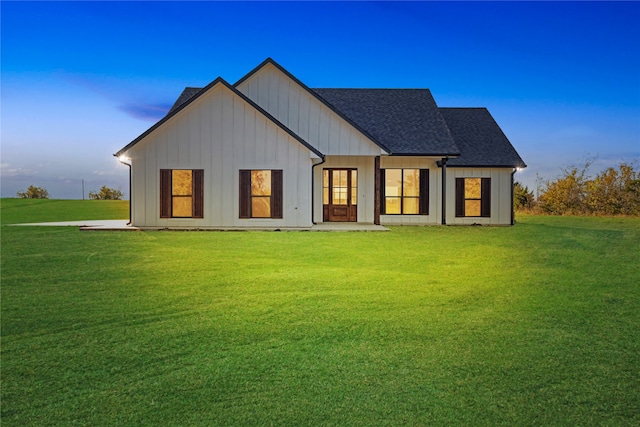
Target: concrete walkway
point(121, 225)
point(105, 224)
point(347, 226)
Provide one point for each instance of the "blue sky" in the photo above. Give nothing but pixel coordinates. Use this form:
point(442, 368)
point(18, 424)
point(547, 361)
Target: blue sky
point(80, 80)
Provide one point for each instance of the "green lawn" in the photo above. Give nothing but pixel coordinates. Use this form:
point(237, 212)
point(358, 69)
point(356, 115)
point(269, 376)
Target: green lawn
point(536, 324)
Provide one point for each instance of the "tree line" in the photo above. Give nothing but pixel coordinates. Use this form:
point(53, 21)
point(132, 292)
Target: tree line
point(105, 193)
point(614, 191)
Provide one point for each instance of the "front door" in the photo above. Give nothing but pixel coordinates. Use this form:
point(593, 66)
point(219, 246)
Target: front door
point(340, 195)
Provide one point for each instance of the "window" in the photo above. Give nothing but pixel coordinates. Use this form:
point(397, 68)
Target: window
point(473, 197)
point(260, 194)
point(336, 181)
point(404, 191)
point(181, 193)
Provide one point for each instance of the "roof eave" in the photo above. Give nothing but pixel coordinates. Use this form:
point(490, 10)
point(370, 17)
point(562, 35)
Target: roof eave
point(450, 155)
point(522, 166)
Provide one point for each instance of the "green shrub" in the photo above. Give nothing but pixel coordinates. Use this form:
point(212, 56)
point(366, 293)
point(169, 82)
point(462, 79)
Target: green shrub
point(106, 193)
point(34, 192)
point(612, 192)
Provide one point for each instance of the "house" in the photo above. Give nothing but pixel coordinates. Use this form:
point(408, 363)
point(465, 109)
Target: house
point(269, 152)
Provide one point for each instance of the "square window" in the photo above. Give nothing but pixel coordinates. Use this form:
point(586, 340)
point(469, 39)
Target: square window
point(260, 193)
point(402, 191)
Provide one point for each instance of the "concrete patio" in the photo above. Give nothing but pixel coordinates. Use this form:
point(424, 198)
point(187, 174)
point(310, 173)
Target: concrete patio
point(121, 225)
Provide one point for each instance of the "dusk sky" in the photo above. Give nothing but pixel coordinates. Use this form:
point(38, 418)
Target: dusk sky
point(80, 80)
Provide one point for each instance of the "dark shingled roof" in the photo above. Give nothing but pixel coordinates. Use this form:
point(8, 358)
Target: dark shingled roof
point(187, 94)
point(480, 139)
point(407, 121)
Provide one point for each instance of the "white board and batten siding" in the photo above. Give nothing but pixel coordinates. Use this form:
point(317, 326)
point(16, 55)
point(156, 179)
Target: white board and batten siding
point(220, 133)
point(305, 115)
point(501, 190)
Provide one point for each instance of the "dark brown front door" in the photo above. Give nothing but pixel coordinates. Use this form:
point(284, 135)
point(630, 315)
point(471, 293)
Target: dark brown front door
point(340, 195)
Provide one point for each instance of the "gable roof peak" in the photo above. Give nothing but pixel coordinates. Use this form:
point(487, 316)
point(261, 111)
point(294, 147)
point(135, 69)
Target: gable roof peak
point(204, 90)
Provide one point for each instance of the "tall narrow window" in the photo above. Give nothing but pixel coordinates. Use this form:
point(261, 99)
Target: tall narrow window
point(181, 193)
point(405, 191)
point(325, 187)
point(354, 187)
point(473, 197)
point(260, 194)
point(340, 187)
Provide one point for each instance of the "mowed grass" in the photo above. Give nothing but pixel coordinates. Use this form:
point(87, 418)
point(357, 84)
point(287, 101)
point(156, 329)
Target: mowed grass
point(21, 211)
point(536, 324)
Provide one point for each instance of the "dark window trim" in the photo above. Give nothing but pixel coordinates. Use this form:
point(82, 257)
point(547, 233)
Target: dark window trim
point(351, 188)
point(423, 197)
point(166, 194)
point(276, 197)
point(485, 198)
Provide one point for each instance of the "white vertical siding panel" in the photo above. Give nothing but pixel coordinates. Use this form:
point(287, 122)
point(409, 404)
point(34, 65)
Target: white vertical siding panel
point(317, 193)
point(262, 83)
point(238, 129)
point(344, 149)
point(152, 187)
point(503, 189)
point(205, 120)
point(291, 189)
point(282, 153)
point(496, 213)
point(366, 194)
point(435, 204)
point(228, 164)
point(314, 123)
point(195, 137)
point(137, 200)
point(334, 135)
point(137, 189)
point(253, 90)
point(303, 118)
point(273, 83)
point(323, 131)
point(294, 105)
point(257, 146)
point(354, 143)
point(184, 145)
point(172, 144)
point(251, 150)
point(301, 195)
point(271, 145)
point(163, 151)
point(217, 158)
point(283, 101)
point(158, 159)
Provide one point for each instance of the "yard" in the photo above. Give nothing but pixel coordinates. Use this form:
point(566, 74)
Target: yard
point(536, 324)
